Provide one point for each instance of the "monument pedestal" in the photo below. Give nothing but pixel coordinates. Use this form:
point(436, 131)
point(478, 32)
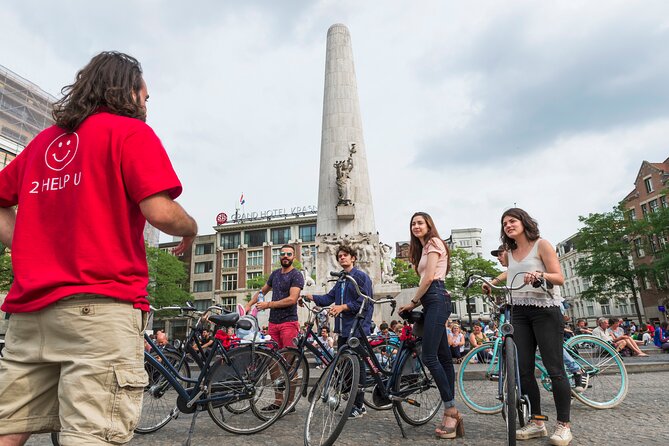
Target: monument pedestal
point(346, 211)
point(382, 290)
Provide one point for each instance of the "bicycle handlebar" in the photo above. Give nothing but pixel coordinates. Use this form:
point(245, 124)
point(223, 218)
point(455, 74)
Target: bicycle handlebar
point(540, 282)
point(347, 276)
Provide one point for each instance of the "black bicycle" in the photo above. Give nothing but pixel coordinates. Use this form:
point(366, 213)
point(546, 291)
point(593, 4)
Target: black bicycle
point(238, 387)
point(408, 386)
point(296, 358)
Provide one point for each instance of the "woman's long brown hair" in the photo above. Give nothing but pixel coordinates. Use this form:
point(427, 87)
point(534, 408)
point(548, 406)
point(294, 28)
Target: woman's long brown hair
point(416, 246)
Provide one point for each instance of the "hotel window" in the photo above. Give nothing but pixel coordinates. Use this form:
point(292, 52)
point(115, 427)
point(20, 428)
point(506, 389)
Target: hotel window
point(644, 210)
point(649, 184)
point(631, 214)
point(229, 282)
point(230, 241)
point(230, 260)
point(252, 275)
point(204, 248)
point(204, 267)
point(606, 309)
point(652, 204)
point(276, 259)
point(255, 238)
point(280, 236)
point(200, 286)
point(254, 258)
point(308, 233)
point(663, 201)
point(229, 303)
point(591, 310)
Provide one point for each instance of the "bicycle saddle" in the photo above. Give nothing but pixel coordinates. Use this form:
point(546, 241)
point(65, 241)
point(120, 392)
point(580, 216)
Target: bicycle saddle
point(226, 320)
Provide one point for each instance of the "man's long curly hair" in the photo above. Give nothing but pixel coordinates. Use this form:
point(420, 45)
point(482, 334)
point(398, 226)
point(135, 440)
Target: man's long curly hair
point(111, 80)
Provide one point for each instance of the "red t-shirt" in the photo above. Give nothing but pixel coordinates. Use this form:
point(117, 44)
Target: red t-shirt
point(79, 228)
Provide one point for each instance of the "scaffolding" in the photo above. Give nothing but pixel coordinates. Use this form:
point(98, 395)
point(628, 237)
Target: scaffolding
point(25, 110)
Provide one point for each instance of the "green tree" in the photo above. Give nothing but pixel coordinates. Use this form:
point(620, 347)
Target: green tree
point(404, 273)
point(6, 271)
point(607, 240)
point(168, 279)
point(463, 264)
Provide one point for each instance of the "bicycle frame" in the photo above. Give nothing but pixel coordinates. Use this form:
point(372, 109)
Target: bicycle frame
point(192, 395)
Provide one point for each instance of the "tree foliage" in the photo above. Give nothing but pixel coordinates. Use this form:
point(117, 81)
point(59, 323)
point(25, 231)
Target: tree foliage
point(463, 264)
point(168, 279)
point(6, 271)
point(607, 240)
point(405, 274)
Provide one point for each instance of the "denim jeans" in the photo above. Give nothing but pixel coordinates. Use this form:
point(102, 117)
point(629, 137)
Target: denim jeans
point(569, 362)
point(436, 354)
point(543, 327)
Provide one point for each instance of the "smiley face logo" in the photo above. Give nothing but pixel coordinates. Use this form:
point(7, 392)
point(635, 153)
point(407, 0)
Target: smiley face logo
point(61, 151)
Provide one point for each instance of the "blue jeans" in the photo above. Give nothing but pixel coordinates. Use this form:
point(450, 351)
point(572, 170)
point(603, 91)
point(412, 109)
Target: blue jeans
point(436, 354)
point(569, 362)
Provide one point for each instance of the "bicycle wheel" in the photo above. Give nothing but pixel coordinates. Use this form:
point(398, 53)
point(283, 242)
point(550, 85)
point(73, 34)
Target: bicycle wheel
point(605, 372)
point(261, 384)
point(160, 399)
point(478, 378)
point(386, 354)
point(332, 401)
point(298, 370)
point(414, 383)
point(510, 389)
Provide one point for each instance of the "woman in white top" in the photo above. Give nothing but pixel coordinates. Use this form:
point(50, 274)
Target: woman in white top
point(457, 342)
point(537, 319)
point(430, 257)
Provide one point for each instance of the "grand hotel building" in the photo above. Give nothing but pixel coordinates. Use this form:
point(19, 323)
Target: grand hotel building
point(222, 263)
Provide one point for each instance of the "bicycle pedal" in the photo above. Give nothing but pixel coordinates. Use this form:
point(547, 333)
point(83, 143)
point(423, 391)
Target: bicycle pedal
point(539, 418)
point(493, 377)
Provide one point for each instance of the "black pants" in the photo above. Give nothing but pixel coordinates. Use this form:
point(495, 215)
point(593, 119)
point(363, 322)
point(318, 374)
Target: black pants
point(360, 396)
point(543, 327)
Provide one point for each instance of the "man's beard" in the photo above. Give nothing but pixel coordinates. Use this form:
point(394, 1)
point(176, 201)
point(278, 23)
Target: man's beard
point(286, 263)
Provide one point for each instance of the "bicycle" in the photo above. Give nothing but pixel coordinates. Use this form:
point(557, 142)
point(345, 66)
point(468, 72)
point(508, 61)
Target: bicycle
point(514, 405)
point(604, 374)
point(408, 386)
point(235, 387)
point(296, 359)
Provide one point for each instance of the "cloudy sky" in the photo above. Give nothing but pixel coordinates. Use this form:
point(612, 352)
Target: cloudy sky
point(468, 108)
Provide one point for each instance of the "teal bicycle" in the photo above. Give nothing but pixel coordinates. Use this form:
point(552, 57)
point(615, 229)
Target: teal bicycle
point(604, 376)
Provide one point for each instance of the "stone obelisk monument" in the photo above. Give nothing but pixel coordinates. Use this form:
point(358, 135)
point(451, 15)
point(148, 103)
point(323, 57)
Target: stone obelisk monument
point(345, 210)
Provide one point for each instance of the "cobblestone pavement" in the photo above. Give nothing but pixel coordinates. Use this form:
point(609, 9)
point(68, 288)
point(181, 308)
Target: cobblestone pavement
point(642, 419)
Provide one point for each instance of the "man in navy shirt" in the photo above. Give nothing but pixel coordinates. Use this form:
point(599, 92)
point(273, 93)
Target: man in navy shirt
point(285, 284)
point(346, 306)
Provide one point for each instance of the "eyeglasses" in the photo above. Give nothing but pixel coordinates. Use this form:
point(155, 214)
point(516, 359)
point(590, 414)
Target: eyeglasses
point(285, 254)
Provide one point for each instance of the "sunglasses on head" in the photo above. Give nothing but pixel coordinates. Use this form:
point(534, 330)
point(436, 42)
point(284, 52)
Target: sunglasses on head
point(285, 254)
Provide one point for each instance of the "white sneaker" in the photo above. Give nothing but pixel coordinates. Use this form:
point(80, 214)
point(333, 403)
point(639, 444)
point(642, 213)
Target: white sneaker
point(562, 436)
point(531, 430)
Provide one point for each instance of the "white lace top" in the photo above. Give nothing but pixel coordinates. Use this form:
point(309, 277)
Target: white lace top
point(530, 295)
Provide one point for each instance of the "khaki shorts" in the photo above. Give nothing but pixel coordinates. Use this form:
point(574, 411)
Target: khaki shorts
point(77, 367)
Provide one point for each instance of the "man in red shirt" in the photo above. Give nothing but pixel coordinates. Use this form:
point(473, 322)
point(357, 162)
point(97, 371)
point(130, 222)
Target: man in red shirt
point(84, 188)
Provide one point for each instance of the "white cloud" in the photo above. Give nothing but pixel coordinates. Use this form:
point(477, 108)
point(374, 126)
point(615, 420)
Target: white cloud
point(467, 108)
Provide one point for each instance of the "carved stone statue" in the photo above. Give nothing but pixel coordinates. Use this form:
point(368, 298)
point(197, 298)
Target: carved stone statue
point(308, 267)
point(387, 275)
point(344, 168)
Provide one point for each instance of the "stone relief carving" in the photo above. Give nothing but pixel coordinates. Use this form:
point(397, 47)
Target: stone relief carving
point(308, 267)
point(343, 169)
point(387, 275)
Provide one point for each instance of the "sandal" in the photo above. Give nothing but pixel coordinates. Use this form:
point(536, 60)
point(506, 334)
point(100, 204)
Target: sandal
point(458, 430)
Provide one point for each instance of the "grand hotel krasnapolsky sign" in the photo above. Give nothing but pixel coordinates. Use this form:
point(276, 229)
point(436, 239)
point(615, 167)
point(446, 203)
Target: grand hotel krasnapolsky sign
point(240, 217)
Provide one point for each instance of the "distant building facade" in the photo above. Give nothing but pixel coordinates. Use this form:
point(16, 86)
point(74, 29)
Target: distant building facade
point(25, 110)
point(649, 195)
point(241, 250)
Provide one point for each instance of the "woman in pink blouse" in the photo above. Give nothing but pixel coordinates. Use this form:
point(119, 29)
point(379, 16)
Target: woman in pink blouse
point(430, 257)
